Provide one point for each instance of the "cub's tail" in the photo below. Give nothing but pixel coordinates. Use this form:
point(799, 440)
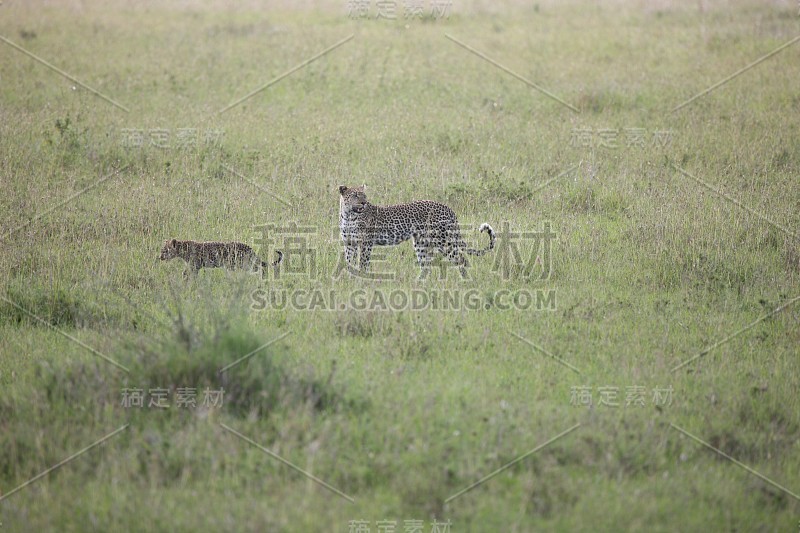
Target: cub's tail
point(488, 229)
point(264, 264)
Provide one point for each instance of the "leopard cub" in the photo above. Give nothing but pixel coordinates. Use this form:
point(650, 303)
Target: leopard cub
point(230, 255)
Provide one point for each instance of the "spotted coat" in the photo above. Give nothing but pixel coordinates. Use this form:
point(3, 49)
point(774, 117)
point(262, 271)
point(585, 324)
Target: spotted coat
point(432, 226)
point(230, 255)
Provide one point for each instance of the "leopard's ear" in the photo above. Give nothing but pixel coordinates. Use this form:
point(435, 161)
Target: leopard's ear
point(342, 189)
point(364, 187)
point(173, 242)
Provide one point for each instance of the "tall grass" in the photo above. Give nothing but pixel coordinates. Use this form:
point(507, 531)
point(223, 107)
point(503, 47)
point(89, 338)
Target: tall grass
point(400, 411)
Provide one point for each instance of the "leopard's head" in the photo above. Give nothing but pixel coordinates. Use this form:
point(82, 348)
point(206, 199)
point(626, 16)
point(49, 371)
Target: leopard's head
point(169, 250)
point(353, 199)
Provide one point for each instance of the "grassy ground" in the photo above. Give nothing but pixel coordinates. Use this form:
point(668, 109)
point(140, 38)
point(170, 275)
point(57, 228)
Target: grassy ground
point(666, 249)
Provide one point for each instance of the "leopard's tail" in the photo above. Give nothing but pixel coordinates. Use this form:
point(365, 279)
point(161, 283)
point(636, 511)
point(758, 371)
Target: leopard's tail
point(488, 229)
point(264, 264)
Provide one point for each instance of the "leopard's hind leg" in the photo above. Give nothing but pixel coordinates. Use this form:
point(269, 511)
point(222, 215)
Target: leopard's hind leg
point(453, 254)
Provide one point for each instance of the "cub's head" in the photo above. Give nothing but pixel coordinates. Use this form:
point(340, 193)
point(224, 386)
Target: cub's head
point(169, 250)
point(353, 199)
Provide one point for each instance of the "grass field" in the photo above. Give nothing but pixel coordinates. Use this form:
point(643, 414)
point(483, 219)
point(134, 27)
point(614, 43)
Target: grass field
point(639, 373)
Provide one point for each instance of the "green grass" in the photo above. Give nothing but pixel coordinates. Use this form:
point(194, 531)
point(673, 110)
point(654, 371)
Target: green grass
point(402, 410)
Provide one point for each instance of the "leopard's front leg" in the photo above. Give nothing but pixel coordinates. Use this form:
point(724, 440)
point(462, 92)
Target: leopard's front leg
point(350, 253)
point(366, 252)
point(192, 269)
point(350, 244)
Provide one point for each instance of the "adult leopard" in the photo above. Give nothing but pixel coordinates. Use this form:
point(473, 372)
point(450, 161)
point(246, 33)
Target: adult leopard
point(431, 225)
